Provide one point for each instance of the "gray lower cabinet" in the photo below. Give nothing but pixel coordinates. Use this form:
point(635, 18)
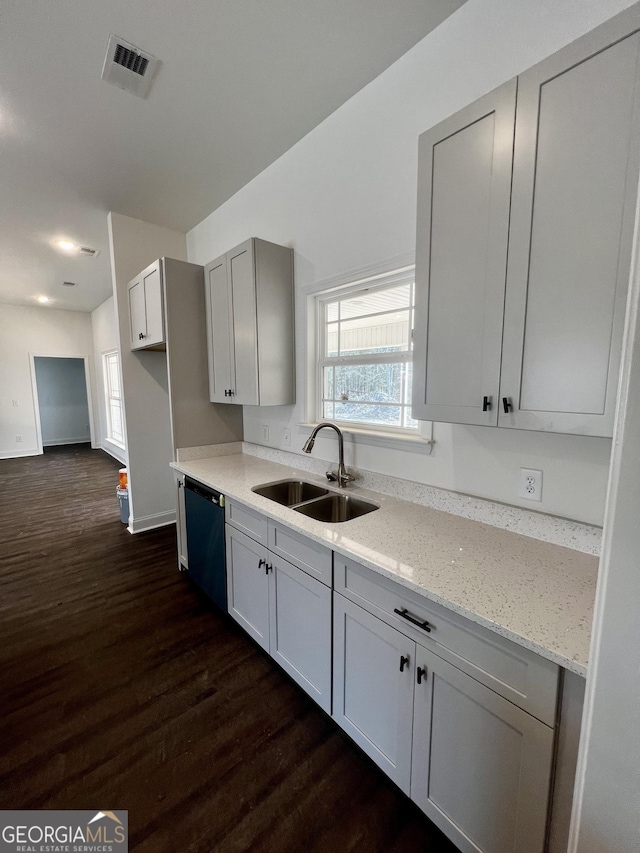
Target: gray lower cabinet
point(462, 720)
point(284, 609)
point(481, 767)
point(248, 585)
point(532, 342)
point(476, 764)
point(372, 695)
point(300, 629)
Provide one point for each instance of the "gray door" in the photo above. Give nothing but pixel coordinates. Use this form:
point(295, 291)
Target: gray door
point(154, 305)
point(372, 697)
point(481, 767)
point(218, 330)
point(248, 585)
point(245, 337)
point(575, 179)
point(137, 315)
point(300, 626)
point(464, 187)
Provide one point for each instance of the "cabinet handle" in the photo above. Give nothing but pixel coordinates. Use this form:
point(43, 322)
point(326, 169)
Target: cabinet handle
point(141, 336)
point(414, 621)
point(403, 662)
point(268, 568)
point(486, 404)
point(506, 405)
point(228, 392)
point(421, 673)
point(261, 563)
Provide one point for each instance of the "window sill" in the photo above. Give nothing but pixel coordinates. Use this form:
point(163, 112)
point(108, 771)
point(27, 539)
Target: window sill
point(377, 438)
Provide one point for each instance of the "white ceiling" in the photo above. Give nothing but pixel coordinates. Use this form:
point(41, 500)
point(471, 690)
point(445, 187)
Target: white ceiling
point(240, 82)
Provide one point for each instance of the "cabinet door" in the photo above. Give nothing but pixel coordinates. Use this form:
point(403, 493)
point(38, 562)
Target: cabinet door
point(575, 180)
point(181, 524)
point(248, 585)
point(464, 185)
point(137, 315)
point(300, 626)
point(372, 698)
point(218, 331)
point(240, 264)
point(481, 767)
point(154, 305)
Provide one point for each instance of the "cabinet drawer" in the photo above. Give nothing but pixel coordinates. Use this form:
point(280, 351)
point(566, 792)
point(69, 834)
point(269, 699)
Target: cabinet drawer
point(305, 553)
point(521, 676)
point(248, 521)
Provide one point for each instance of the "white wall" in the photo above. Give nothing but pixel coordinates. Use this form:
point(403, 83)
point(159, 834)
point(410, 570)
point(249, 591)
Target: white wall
point(36, 331)
point(345, 197)
point(606, 816)
point(134, 245)
point(62, 400)
point(105, 339)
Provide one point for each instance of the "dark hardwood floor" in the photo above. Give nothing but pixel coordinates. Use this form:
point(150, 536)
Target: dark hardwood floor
point(122, 688)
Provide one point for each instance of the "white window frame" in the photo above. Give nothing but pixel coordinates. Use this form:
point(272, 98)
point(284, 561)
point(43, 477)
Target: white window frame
point(109, 396)
point(322, 299)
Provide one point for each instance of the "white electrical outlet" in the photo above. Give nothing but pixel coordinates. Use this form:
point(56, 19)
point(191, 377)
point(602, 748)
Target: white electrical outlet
point(530, 484)
point(286, 436)
point(265, 433)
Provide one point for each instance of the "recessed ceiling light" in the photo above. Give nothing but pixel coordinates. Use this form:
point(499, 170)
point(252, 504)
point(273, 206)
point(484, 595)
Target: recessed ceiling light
point(66, 245)
point(42, 298)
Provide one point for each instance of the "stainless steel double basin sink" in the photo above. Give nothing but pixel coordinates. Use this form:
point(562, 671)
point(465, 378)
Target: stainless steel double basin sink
point(313, 501)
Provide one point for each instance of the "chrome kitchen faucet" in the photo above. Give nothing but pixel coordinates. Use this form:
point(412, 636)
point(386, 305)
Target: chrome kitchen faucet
point(342, 476)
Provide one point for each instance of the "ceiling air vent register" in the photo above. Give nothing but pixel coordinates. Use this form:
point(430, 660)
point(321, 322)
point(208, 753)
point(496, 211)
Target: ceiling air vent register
point(128, 67)
point(87, 252)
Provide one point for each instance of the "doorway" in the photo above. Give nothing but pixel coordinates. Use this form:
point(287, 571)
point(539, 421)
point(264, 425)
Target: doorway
point(62, 399)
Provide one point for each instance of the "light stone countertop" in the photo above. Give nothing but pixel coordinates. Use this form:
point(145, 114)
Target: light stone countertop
point(536, 594)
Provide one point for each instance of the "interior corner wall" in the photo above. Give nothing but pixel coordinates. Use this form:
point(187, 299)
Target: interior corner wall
point(26, 331)
point(105, 339)
point(134, 245)
point(344, 198)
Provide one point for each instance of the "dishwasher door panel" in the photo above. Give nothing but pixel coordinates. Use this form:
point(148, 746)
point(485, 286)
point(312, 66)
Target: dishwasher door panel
point(206, 548)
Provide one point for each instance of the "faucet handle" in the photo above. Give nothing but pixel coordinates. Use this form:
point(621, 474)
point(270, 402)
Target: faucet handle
point(332, 476)
point(347, 478)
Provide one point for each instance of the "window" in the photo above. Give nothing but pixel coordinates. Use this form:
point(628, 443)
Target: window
point(365, 354)
point(113, 397)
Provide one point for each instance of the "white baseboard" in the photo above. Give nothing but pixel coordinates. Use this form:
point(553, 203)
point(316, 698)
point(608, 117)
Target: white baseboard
point(55, 442)
point(11, 454)
point(114, 451)
point(151, 522)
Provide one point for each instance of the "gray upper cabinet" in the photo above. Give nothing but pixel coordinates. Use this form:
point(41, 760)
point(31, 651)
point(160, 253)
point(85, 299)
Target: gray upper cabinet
point(533, 342)
point(249, 293)
point(463, 220)
point(575, 179)
point(146, 309)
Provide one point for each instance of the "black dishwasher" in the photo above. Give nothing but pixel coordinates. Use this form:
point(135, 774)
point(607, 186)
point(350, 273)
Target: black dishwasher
point(204, 510)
